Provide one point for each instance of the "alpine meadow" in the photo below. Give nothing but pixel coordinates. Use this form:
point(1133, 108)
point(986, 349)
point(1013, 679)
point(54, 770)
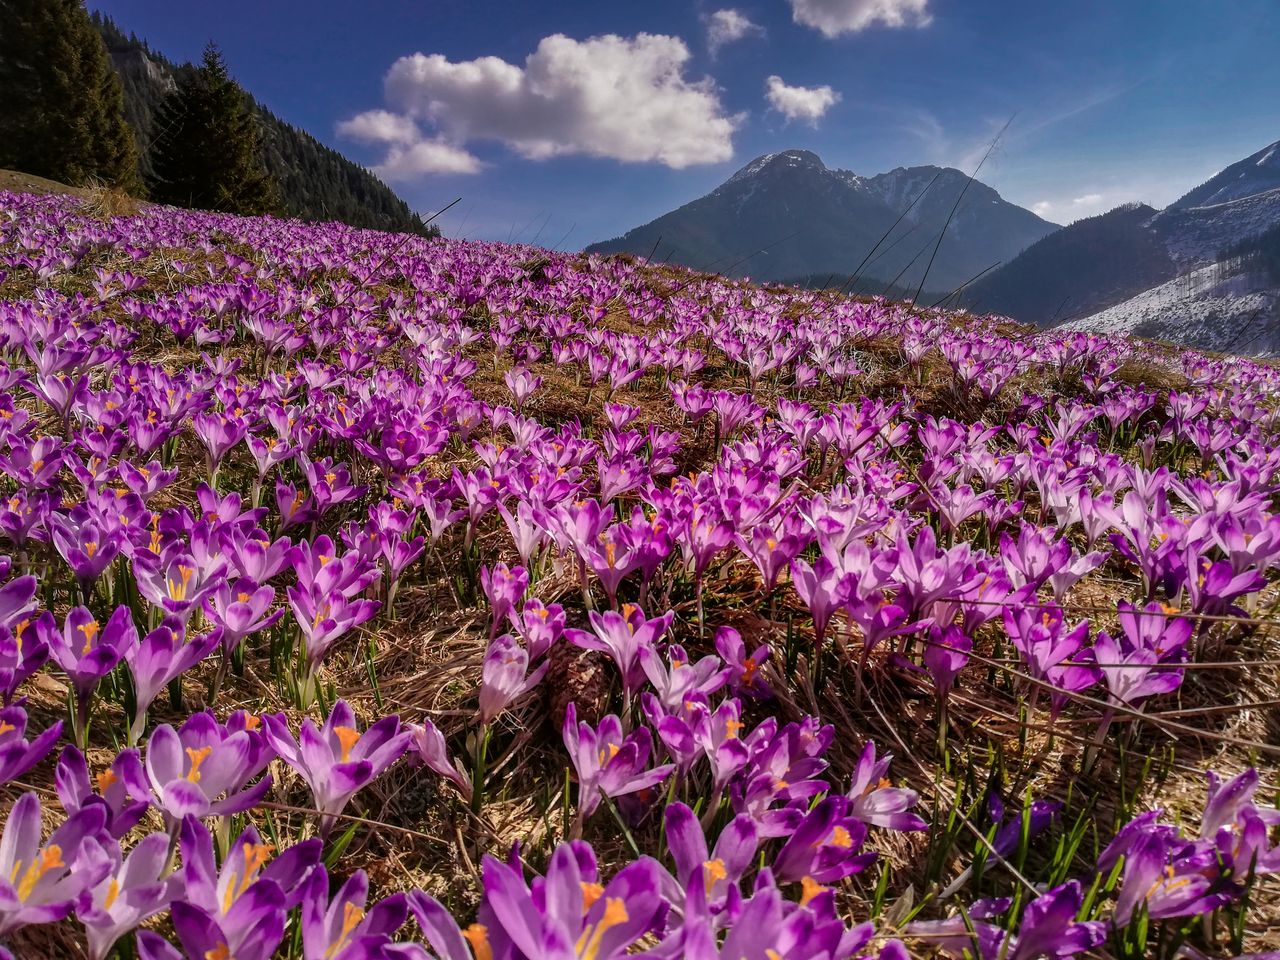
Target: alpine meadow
point(835, 565)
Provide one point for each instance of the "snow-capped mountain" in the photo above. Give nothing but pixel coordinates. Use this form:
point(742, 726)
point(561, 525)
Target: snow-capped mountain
point(1251, 176)
point(787, 216)
point(1167, 275)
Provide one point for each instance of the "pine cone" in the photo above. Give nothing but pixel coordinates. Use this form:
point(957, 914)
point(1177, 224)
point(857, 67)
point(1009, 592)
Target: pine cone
point(579, 677)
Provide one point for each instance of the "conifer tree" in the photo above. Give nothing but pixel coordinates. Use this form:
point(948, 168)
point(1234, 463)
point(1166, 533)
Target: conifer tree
point(207, 151)
point(62, 108)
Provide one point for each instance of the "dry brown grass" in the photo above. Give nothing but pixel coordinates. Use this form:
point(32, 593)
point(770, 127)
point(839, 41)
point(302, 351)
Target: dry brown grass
point(104, 202)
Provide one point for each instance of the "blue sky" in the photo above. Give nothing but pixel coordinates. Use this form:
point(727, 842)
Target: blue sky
point(580, 120)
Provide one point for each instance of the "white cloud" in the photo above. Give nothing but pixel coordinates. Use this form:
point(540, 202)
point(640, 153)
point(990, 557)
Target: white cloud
point(1069, 209)
point(380, 126)
point(409, 153)
point(622, 98)
point(799, 103)
point(835, 17)
point(729, 26)
point(410, 161)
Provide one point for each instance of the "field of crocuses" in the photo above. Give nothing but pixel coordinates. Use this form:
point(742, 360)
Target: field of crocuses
point(367, 596)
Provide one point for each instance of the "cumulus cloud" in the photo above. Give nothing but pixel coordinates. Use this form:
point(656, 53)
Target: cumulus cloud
point(1043, 208)
point(799, 103)
point(835, 17)
point(412, 160)
point(622, 98)
point(729, 26)
point(410, 154)
point(380, 126)
point(1088, 200)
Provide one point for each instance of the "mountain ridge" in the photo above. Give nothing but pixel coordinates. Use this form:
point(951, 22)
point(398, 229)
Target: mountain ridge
point(788, 214)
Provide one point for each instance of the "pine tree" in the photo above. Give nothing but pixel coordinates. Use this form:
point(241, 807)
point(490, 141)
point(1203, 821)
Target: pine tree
point(61, 114)
point(207, 151)
point(113, 148)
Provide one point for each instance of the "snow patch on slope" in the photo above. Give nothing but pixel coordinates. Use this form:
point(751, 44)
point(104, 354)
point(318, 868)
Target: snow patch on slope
point(1212, 308)
point(1197, 234)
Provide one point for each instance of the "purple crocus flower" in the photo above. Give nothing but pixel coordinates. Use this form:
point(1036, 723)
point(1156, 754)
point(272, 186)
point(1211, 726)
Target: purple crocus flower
point(528, 527)
point(252, 931)
point(1159, 879)
point(399, 553)
point(875, 800)
point(825, 845)
point(765, 926)
point(522, 384)
point(429, 746)
point(683, 678)
point(109, 788)
point(17, 599)
point(610, 564)
point(146, 481)
point(88, 652)
point(505, 588)
point(134, 889)
point(17, 755)
point(252, 555)
point(1037, 817)
point(203, 769)
point(505, 677)
point(783, 768)
point(744, 675)
point(622, 635)
point(771, 551)
point(162, 656)
point(540, 625)
point(607, 763)
point(1049, 928)
point(347, 928)
point(1133, 674)
point(337, 760)
point(569, 915)
point(294, 505)
point(44, 882)
point(175, 581)
point(330, 484)
point(1153, 627)
point(241, 609)
point(946, 655)
point(217, 888)
point(820, 586)
point(324, 599)
point(24, 649)
point(86, 546)
point(237, 911)
point(1053, 653)
point(1227, 801)
point(722, 867)
point(717, 733)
